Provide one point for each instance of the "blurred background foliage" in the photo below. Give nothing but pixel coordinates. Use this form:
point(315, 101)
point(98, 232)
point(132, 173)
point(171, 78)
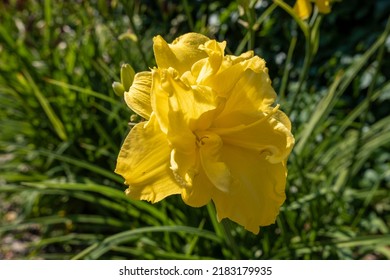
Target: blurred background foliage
point(61, 127)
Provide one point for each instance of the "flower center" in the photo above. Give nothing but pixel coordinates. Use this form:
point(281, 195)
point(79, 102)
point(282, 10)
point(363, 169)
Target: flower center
point(201, 141)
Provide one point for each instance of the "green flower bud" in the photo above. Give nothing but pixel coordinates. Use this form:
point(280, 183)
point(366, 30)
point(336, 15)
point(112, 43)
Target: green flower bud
point(118, 88)
point(127, 76)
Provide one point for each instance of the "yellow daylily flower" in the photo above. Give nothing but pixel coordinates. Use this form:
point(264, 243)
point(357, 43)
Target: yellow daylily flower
point(212, 132)
point(303, 8)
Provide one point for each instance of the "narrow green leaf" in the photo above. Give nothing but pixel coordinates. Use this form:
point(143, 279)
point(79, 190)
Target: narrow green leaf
point(86, 165)
point(83, 90)
point(55, 121)
point(96, 251)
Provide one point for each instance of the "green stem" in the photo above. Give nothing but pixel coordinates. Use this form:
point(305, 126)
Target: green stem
point(130, 10)
point(252, 31)
point(304, 72)
point(266, 14)
point(307, 30)
point(230, 239)
point(302, 24)
point(48, 20)
point(286, 71)
point(188, 14)
point(223, 230)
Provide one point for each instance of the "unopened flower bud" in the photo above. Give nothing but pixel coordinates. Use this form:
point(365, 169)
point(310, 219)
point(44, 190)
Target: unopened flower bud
point(127, 76)
point(118, 88)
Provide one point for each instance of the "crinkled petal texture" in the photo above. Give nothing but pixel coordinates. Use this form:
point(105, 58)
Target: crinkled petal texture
point(213, 132)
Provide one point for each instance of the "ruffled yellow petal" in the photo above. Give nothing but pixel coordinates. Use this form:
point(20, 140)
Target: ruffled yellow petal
point(267, 136)
point(229, 73)
point(250, 97)
point(138, 96)
point(323, 6)
point(204, 68)
point(179, 135)
point(210, 145)
point(181, 54)
point(195, 104)
point(257, 190)
point(303, 8)
point(200, 193)
point(282, 118)
point(185, 166)
point(144, 163)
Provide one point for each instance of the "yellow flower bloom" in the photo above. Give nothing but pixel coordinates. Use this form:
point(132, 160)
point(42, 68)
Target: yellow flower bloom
point(211, 132)
point(303, 8)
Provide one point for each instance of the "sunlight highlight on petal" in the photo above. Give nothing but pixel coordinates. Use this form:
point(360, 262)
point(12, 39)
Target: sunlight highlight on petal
point(138, 96)
point(181, 54)
point(146, 167)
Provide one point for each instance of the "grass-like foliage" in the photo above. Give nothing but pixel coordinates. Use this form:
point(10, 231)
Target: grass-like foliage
point(61, 127)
